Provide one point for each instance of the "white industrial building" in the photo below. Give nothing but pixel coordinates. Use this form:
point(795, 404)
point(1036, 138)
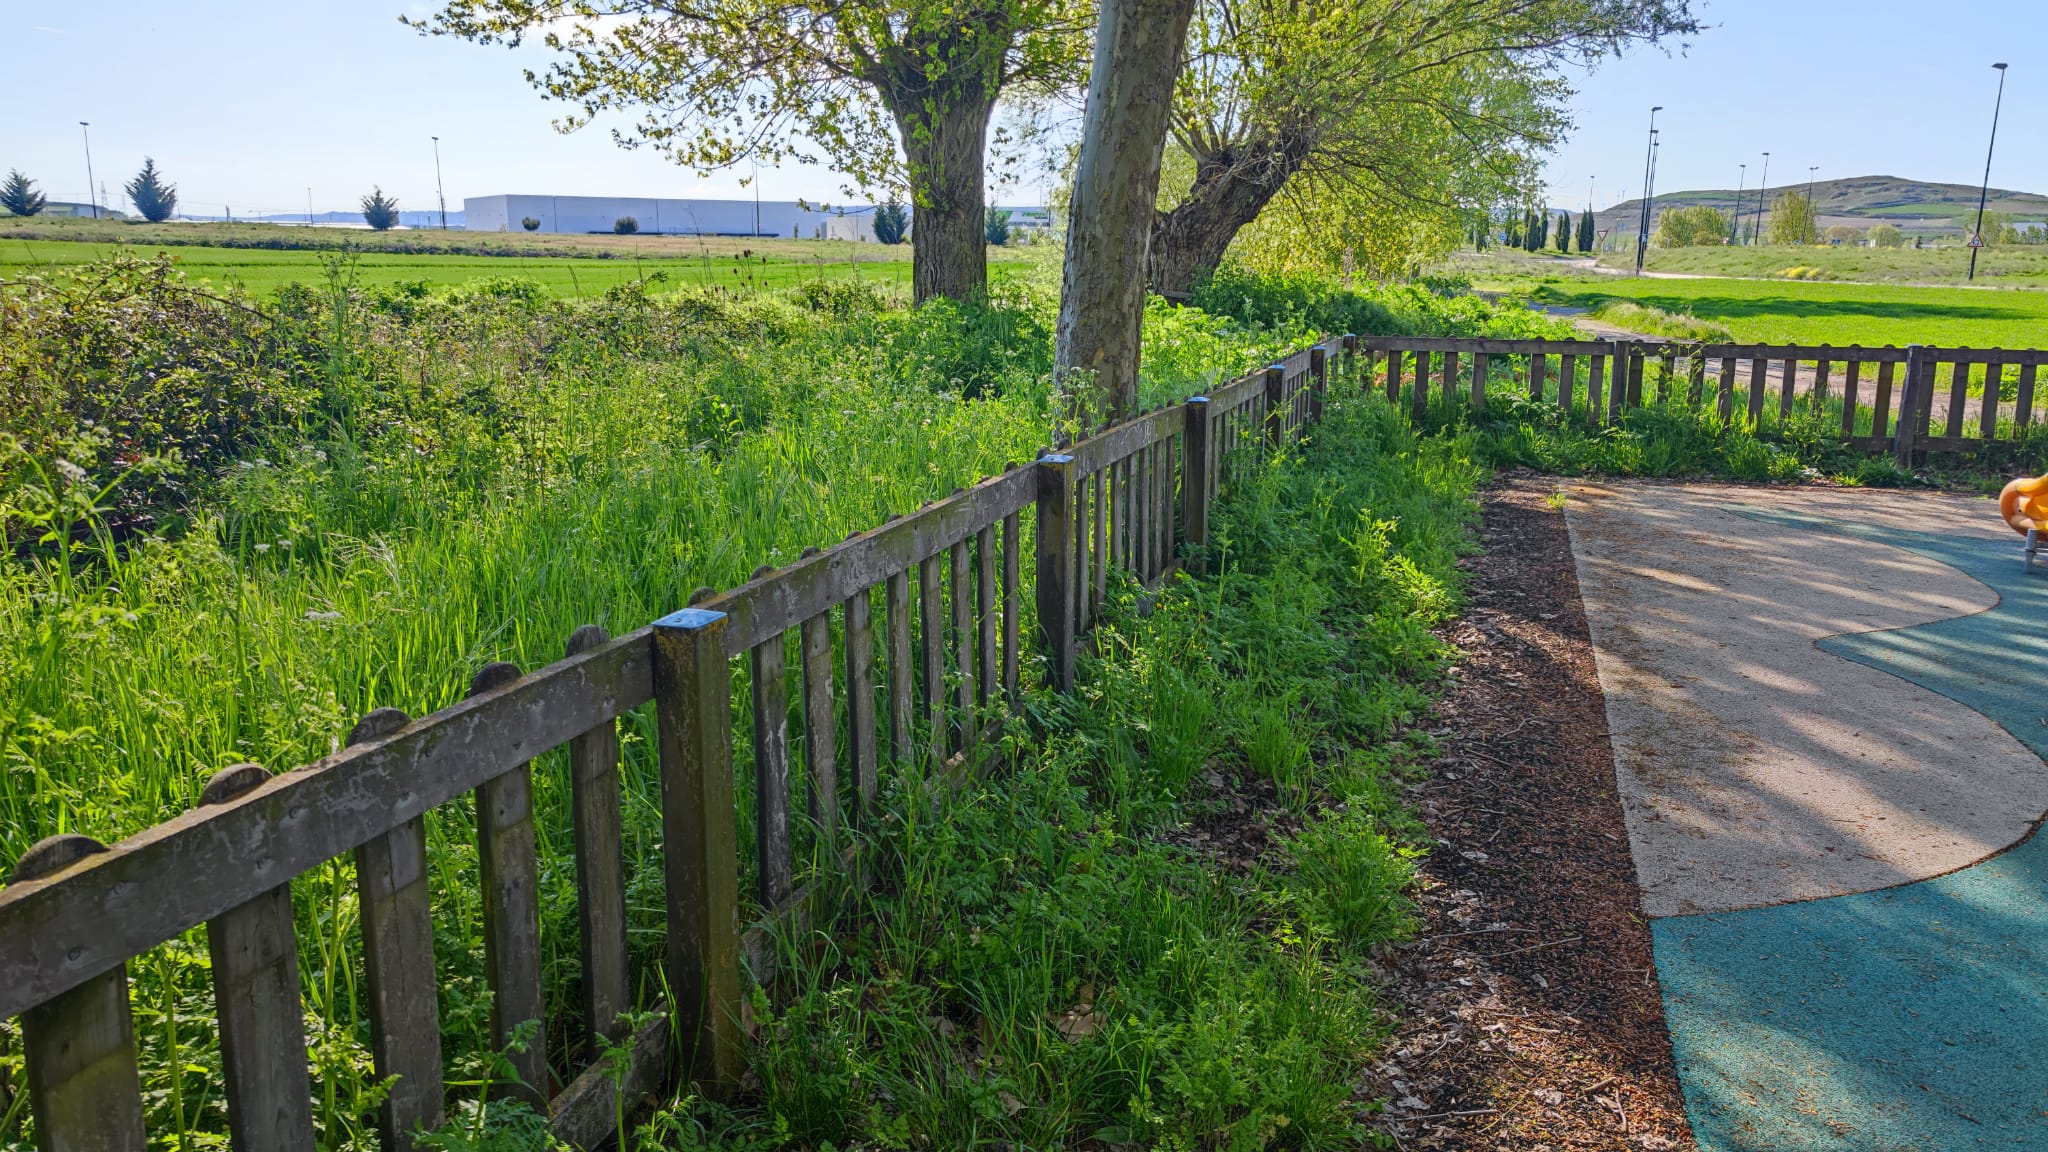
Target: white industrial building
point(779, 218)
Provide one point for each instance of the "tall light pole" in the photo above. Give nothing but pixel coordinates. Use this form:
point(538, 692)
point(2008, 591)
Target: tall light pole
point(85, 129)
point(439, 192)
point(1984, 193)
point(1812, 213)
point(1649, 157)
point(1735, 217)
point(1756, 231)
point(309, 206)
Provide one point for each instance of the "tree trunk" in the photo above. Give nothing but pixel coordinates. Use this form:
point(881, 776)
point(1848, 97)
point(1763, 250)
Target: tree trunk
point(1138, 47)
point(944, 142)
point(1230, 190)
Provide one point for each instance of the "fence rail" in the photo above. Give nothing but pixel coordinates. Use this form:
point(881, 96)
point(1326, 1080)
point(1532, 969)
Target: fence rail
point(1870, 390)
point(873, 681)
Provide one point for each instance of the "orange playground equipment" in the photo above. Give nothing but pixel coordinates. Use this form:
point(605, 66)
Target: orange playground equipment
point(2024, 504)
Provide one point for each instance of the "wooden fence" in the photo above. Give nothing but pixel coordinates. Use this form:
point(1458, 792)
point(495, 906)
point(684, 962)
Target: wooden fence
point(867, 690)
point(1751, 383)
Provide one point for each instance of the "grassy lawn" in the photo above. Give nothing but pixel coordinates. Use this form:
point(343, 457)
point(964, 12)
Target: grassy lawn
point(1794, 312)
point(2002, 267)
point(263, 270)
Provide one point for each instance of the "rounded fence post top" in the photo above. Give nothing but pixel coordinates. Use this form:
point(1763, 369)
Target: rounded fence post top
point(376, 725)
point(586, 638)
point(496, 674)
point(231, 782)
point(53, 854)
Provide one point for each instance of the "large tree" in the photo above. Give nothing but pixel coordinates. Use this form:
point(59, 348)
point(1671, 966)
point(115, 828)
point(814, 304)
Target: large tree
point(1138, 53)
point(1394, 99)
point(152, 196)
point(843, 82)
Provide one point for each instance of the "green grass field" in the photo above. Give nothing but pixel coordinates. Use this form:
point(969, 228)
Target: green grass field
point(2023, 265)
point(1795, 312)
point(262, 270)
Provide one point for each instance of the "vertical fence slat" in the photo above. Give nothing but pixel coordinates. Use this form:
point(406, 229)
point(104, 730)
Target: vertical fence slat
point(1918, 383)
point(1596, 387)
point(1958, 396)
point(1788, 380)
point(1319, 381)
point(1667, 367)
point(700, 850)
point(398, 964)
point(860, 700)
point(1086, 513)
point(1724, 400)
point(897, 595)
point(1759, 370)
point(960, 578)
point(509, 863)
point(1418, 396)
point(985, 682)
point(1480, 363)
point(1987, 409)
point(83, 1086)
point(1852, 382)
point(254, 954)
point(1055, 568)
point(931, 643)
point(1276, 416)
point(1196, 470)
point(1567, 381)
point(1013, 606)
point(1881, 405)
point(1393, 381)
point(1637, 359)
point(768, 668)
point(1539, 365)
point(1448, 380)
point(1101, 502)
point(2023, 399)
point(600, 863)
point(821, 733)
point(1821, 369)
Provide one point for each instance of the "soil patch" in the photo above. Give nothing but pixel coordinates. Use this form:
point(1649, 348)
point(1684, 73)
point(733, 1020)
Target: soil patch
point(1529, 1015)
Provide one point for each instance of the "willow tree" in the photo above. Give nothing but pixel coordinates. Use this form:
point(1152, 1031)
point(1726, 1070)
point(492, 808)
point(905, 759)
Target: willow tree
point(893, 93)
point(1372, 99)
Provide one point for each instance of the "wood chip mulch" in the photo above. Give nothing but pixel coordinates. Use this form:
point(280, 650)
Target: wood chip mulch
point(1528, 1010)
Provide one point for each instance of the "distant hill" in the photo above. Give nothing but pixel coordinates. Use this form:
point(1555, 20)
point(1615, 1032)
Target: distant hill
point(1859, 201)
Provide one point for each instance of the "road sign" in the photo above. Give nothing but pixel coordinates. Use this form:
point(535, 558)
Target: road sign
point(1976, 240)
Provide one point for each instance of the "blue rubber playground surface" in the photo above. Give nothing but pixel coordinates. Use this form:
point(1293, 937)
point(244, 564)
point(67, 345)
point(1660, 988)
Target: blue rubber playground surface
point(1913, 1017)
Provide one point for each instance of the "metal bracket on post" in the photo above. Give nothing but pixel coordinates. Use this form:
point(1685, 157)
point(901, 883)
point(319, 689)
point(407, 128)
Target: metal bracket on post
point(1907, 433)
point(1056, 567)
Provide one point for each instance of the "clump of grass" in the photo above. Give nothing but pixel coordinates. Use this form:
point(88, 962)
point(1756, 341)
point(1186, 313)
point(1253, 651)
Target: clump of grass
point(1658, 322)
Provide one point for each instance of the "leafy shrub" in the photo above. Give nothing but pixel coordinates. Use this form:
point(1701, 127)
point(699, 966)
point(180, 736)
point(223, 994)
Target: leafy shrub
point(625, 225)
point(1698, 226)
point(997, 226)
point(530, 223)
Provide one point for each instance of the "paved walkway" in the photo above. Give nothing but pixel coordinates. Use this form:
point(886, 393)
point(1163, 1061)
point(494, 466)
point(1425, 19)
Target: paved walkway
point(1827, 712)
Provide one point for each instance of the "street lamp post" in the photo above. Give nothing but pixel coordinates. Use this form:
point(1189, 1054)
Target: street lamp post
point(1984, 193)
point(1812, 213)
point(1756, 231)
point(85, 129)
point(1735, 217)
point(440, 193)
point(1649, 158)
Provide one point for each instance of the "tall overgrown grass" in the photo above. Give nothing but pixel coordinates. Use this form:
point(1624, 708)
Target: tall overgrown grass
point(235, 525)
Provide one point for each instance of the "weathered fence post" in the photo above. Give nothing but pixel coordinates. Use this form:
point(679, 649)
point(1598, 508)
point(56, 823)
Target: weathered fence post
point(693, 721)
point(600, 863)
point(83, 1085)
point(1276, 412)
point(1349, 369)
point(508, 860)
point(398, 963)
point(1194, 483)
point(1318, 381)
point(1480, 365)
point(1919, 374)
point(1056, 566)
point(254, 952)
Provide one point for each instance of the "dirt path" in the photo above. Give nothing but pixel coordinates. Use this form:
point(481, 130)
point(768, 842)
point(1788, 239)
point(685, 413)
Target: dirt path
point(1529, 1011)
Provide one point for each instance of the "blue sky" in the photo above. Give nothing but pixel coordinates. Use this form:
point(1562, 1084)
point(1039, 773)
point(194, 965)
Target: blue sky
point(248, 104)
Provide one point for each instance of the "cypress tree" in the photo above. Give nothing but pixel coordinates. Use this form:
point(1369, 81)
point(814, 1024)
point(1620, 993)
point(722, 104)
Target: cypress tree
point(1564, 231)
point(1586, 235)
point(153, 198)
